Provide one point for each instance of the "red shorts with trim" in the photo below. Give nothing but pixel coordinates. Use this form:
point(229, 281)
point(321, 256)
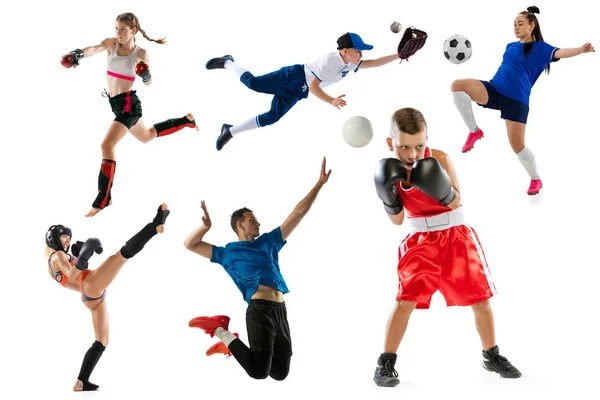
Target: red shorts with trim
point(451, 261)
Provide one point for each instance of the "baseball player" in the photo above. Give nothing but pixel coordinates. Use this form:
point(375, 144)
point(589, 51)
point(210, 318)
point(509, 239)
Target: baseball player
point(291, 84)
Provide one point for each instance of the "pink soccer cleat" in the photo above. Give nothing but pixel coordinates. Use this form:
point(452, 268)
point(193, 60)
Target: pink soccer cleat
point(534, 187)
point(473, 137)
point(209, 324)
point(220, 348)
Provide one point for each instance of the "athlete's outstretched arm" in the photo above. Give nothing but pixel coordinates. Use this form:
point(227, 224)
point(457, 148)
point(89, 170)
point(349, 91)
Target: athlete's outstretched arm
point(315, 88)
point(107, 43)
point(194, 241)
point(378, 62)
point(302, 208)
point(574, 51)
point(72, 58)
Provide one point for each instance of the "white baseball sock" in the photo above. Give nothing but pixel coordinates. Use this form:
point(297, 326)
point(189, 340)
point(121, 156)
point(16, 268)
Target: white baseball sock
point(237, 70)
point(247, 125)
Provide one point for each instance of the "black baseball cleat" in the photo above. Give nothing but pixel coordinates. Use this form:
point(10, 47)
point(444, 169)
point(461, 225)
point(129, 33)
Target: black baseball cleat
point(385, 374)
point(494, 362)
point(224, 137)
point(219, 62)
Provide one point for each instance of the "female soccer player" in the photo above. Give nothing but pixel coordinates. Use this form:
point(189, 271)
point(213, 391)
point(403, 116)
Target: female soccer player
point(509, 90)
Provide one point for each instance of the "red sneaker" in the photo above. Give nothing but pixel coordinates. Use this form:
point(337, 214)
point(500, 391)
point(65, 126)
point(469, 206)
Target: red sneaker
point(220, 348)
point(534, 187)
point(209, 324)
point(473, 137)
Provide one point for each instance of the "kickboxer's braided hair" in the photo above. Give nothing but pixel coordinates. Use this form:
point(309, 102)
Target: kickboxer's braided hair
point(133, 22)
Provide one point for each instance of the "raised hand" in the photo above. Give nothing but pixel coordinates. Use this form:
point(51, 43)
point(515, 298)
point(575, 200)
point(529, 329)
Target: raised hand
point(206, 217)
point(324, 177)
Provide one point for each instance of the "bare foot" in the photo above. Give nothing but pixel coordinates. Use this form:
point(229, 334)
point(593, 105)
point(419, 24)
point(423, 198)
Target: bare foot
point(78, 387)
point(190, 116)
point(95, 211)
point(161, 228)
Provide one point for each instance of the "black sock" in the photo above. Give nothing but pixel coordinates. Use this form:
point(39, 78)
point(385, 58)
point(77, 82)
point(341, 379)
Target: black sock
point(89, 363)
point(89, 386)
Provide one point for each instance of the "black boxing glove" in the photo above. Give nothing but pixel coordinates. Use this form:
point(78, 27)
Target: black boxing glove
point(429, 177)
point(86, 251)
point(76, 248)
point(387, 172)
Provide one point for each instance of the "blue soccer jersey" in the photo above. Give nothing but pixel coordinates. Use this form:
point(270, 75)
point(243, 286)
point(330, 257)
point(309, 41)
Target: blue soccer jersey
point(252, 263)
point(517, 74)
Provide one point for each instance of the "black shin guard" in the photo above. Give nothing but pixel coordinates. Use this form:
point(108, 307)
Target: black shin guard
point(89, 363)
point(105, 183)
point(173, 125)
point(137, 242)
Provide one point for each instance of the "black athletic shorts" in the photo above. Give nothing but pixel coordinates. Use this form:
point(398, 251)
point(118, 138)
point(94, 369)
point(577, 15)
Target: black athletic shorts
point(268, 328)
point(127, 108)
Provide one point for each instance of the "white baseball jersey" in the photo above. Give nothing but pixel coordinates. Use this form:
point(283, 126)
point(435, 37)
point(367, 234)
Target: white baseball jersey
point(328, 69)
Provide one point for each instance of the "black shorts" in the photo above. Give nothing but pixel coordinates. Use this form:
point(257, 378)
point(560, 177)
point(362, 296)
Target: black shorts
point(510, 109)
point(268, 328)
point(127, 108)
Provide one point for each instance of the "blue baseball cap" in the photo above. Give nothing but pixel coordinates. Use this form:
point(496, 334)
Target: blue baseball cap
point(352, 40)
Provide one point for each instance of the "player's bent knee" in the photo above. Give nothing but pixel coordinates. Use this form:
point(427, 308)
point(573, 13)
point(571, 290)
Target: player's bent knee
point(458, 85)
point(482, 306)
point(279, 375)
point(407, 305)
point(260, 373)
point(107, 145)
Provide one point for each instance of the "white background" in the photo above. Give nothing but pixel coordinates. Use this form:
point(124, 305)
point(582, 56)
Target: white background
point(340, 263)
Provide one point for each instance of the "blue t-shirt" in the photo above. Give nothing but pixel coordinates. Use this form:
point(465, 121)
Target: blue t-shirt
point(252, 263)
point(518, 73)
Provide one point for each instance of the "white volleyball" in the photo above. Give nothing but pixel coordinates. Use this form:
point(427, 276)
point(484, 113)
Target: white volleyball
point(357, 131)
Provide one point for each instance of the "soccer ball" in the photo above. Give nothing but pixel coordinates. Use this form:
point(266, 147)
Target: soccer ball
point(357, 131)
point(457, 49)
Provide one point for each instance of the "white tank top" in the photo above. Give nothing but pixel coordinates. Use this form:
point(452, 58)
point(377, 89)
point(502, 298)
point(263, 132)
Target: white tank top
point(122, 67)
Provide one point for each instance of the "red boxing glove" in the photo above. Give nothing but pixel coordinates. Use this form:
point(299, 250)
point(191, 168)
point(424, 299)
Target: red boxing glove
point(72, 58)
point(142, 70)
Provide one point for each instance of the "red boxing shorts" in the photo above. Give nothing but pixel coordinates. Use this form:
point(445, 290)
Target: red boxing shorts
point(443, 253)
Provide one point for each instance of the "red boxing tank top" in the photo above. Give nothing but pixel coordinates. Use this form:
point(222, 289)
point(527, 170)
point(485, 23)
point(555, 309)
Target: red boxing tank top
point(418, 204)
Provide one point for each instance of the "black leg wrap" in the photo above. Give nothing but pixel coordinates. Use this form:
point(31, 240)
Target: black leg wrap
point(161, 216)
point(89, 363)
point(170, 123)
point(137, 242)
